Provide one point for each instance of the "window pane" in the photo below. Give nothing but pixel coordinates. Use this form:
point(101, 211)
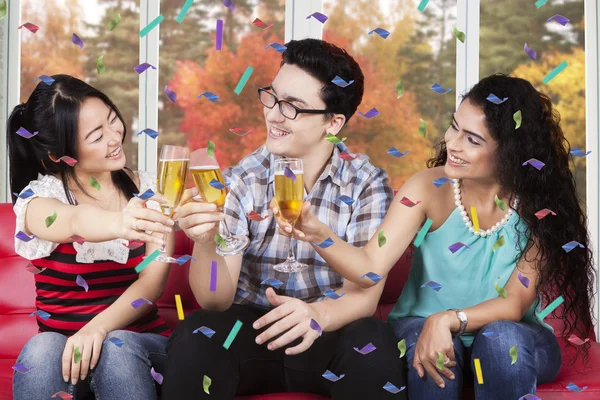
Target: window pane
point(504, 33)
point(420, 51)
point(50, 51)
point(192, 67)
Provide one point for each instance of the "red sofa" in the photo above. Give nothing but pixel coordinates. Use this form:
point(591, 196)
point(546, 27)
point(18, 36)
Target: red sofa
point(17, 294)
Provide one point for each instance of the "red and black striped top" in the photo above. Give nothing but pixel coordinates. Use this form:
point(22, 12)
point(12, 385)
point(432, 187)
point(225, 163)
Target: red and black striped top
point(71, 307)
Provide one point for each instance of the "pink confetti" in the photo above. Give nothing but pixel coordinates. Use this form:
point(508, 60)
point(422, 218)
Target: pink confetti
point(77, 239)
point(346, 156)
point(240, 131)
point(256, 217)
point(170, 94)
point(33, 269)
point(31, 27)
point(62, 395)
point(408, 202)
point(577, 341)
point(259, 24)
point(542, 213)
point(66, 159)
point(524, 280)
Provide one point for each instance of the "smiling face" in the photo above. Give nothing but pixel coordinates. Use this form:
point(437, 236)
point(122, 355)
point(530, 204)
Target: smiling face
point(299, 137)
point(100, 138)
point(470, 147)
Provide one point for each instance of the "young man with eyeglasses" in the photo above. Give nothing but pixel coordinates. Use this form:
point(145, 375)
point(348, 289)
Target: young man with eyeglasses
point(273, 317)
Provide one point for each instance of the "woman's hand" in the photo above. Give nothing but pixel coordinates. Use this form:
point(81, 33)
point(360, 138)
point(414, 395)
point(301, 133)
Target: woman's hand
point(198, 219)
point(88, 343)
point(136, 222)
point(307, 228)
point(435, 338)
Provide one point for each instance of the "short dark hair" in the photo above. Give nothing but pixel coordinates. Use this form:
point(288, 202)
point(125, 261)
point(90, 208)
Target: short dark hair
point(323, 61)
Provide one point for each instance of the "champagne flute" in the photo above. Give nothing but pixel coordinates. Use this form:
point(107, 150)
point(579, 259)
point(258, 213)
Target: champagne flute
point(289, 194)
point(172, 173)
point(211, 186)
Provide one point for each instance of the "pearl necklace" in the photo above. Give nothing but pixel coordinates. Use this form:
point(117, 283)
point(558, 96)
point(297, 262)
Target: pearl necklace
point(467, 220)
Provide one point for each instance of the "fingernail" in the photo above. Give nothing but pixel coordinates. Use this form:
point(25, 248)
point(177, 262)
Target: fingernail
point(288, 229)
point(171, 222)
point(83, 377)
point(256, 325)
point(452, 377)
point(169, 230)
point(92, 366)
point(288, 352)
point(66, 378)
point(270, 346)
point(258, 340)
point(74, 381)
point(442, 385)
point(194, 191)
point(213, 207)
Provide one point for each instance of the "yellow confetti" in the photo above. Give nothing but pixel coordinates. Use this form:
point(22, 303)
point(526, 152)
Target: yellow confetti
point(180, 314)
point(475, 219)
point(478, 371)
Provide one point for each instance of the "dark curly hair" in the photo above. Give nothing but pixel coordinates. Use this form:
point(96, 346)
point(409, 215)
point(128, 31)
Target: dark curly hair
point(540, 136)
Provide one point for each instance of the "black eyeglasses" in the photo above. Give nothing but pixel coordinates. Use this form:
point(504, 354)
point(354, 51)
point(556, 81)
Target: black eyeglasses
point(286, 108)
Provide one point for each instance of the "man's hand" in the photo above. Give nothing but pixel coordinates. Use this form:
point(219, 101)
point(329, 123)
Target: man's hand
point(198, 219)
point(291, 316)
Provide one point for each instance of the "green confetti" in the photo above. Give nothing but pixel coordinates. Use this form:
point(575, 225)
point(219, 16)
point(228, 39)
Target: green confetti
point(382, 239)
point(422, 128)
point(112, 24)
point(501, 291)
point(501, 205)
point(518, 119)
point(100, 67)
point(400, 88)
point(459, 35)
point(499, 243)
point(206, 383)
point(334, 139)
point(232, 334)
point(402, 347)
point(220, 241)
point(211, 149)
point(514, 353)
point(147, 261)
point(2, 9)
point(50, 220)
point(440, 362)
point(76, 355)
point(423, 232)
point(94, 183)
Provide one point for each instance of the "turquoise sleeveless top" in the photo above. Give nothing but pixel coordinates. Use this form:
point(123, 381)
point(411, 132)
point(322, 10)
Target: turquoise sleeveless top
point(467, 277)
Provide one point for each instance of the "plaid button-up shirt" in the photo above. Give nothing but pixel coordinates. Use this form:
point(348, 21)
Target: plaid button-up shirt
point(252, 190)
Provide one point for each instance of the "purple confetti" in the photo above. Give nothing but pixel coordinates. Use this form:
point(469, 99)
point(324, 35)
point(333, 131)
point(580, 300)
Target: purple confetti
point(25, 133)
point(560, 19)
point(324, 244)
point(219, 36)
point(77, 40)
point(524, 280)
point(440, 89)
point(315, 325)
point(210, 96)
point(229, 4)
point(157, 377)
point(21, 368)
point(579, 153)
point(289, 174)
point(140, 302)
point(25, 194)
point(276, 283)
point(144, 196)
point(381, 32)
point(279, 47)
point(213, 276)
point(434, 285)
point(24, 237)
point(81, 282)
point(440, 181)
point(534, 163)
point(218, 185)
point(319, 17)
point(530, 52)
point(345, 199)
point(170, 94)
point(42, 314)
point(330, 376)
point(46, 79)
point(143, 67)
point(150, 132)
point(206, 331)
point(571, 245)
point(372, 276)
point(390, 387)
point(495, 99)
point(574, 388)
point(457, 246)
point(116, 341)
point(370, 114)
point(394, 152)
point(366, 349)
point(332, 294)
point(183, 259)
point(341, 82)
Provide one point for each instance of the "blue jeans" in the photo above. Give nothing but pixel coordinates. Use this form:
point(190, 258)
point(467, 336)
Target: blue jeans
point(539, 360)
point(121, 373)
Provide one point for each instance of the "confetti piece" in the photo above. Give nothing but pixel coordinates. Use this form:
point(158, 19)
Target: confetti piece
point(213, 276)
point(42, 314)
point(277, 46)
point(422, 5)
point(478, 371)
point(112, 24)
point(408, 202)
point(372, 113)
point(134, 244)
point(530, 52)
point(76, 355)
point(423, 232)
point(571, 245)
point(94, 183)
point(157, 377)
point(315, 326)
point(574, 388)
point(331, 376)
point(210, 149)
point(25, 194)
point(77, 239)
point(459, 35)
point(434, 285)
point(439, 363)
point(206, 383)
point(220, 241)
point(341, 82)
point(170, 94)
point(243, 80)
point(143, 67)
point(390, 387)
point(33, 269)
point(184, 10)
point(206, 331)
point(140, 302)
point(346, 156)
point(25, 133)
point(319, 17)
point(540, 3)
point(394, 152)
point(345, 199)
point(440, 89)
point(256, 217)
point(219, 35)
point(499, 243)
point(399, 89)
point(21, 368)
point(210, 96)
point(529, 396)
point(46, 79)
point(560, 19)
point(116, 341)
point(518, 119)
point(233, 333)
point(289, 174)
point(100, 67)
point(334, 139)
point(560, 68)
point(147, 260)
point(276, 283)
point(183, 259)
point(381, 239)
point(514, 353)
point(491, 335)
point(218, 185)
point(500, 290)
point(535, 163)
point(29, 26)
point(550, 307)
point(3, 9)
point(324, 244)
point(372, 276)
point(332, 294)
point(179, 306)
point(150, 132)
point(457, 246)
point(577, 341)
point(524, 280)
point(501, 204)
point(50, 220)
point(578, 153)
point(495, 99)
point(77, 41)
point(24, 237)
point(422, 128)
point(441, 181)
point(240, 131)
point(81, 282)
point(381, 32)
point(474, 218)
point(153, 24)
point(402, 347)
point(145, 196)
point(229, 4)
point(62, 395)
point(366, 349)
point(259, 24)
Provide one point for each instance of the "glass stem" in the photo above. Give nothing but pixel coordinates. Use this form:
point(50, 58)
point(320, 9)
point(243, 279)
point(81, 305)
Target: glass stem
point(226, 234)
point(164, 243)
point(291, 257)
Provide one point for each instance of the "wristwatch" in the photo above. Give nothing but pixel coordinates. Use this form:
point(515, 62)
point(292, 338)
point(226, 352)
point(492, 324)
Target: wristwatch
point(462, 317)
